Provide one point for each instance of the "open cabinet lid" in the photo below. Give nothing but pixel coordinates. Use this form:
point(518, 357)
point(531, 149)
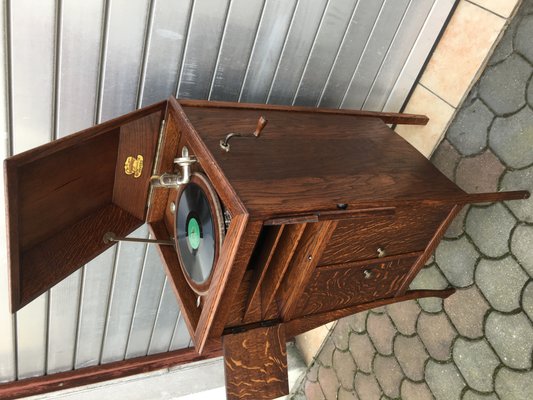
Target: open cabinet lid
point(64, 196)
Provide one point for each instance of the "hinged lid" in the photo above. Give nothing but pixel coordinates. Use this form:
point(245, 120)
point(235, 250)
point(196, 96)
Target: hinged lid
point(64, 196)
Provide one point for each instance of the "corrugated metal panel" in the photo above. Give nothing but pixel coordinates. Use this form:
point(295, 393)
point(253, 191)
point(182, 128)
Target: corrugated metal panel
point(7, 321)
point(71, 64)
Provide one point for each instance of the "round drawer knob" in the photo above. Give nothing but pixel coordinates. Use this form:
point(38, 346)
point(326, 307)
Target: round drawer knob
point(381, 252)
point(367, 273)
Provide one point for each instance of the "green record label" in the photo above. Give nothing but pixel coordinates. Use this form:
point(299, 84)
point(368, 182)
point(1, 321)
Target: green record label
point(193, 233)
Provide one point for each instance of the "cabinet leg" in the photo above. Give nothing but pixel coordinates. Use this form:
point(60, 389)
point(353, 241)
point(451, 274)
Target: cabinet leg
point(255, 363)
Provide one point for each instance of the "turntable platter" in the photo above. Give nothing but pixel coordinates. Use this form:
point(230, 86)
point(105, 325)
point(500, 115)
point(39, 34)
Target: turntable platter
point(198, 231)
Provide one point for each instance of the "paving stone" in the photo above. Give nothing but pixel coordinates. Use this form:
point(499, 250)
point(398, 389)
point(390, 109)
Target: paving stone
point(527, 300)
point(511, 138)
point(411, 356)
point(389, 375)
point(362, 351)
point(522, 245)
point(313, 391)
point(445, 158)
point(444, 380)
point(526, 7)
point(381, 332)
point(326, 354)
point(437, 334)
point(404, 316)
point(514, 385)
point(501, 86)
point(520, 180)
point(328, 382)
point(312, 374)
point(367, 387)
point(346, 395)
point(298, 396)
point(479, 174)
point(415, 391)
point(358, 322)
point(501, 281)
point(457, 260)
point(490, 228)
point(378, 310)
point(477, 362)
point(345, 368)
point(466, 309)
point(430, 278)
point(341, 334)
point(456, 228)
point(524, 33)
point(469, 129)
point(505, 47)
point(511, 336)
point(471, 395)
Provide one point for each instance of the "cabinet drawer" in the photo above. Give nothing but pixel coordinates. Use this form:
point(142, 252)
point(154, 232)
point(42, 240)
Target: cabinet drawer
point(337, 286)
point(408, 230)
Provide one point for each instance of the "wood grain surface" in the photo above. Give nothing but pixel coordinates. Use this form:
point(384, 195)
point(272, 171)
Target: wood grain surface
point(54, 259)
point(339, 286)
point(388, 118)
point(312, 162)
point(255, 364)
point(280, 262)
point(137, 137)
point(53, 192)
point(303, 263)
point(184, 294)
point(254, 313)
point(259, 263)
point(428, 251)
point(305, 323)
point(409, 229)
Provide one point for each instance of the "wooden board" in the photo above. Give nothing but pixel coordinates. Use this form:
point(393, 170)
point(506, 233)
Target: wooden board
point(338, 286)
point(62, 198)
point(306, 162)
point(255, 364)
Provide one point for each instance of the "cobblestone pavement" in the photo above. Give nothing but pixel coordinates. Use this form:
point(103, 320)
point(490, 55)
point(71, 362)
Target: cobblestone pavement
point(478, 343)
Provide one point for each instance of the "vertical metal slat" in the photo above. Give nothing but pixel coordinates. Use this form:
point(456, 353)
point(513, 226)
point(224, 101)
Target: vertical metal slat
point(350, 53)
point(297, 47)
point(205, 32)
point(126, 284)
point(271, 35)
point(398, 51)
point(332, 30)
point(387, 25)
point(238, 39)
point(8, 363)
point(165, 50)
point(417, 56)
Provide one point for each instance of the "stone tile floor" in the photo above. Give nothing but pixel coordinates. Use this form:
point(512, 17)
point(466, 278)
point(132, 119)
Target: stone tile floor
point(478, 343)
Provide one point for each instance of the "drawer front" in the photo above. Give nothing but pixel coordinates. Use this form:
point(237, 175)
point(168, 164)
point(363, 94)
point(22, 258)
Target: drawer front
point(337, 286)
point(408, 230)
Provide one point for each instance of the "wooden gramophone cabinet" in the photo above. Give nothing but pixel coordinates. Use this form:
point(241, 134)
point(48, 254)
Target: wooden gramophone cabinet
point(328, 213)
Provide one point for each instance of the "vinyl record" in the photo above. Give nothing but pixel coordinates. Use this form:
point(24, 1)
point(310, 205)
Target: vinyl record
point(199, 228)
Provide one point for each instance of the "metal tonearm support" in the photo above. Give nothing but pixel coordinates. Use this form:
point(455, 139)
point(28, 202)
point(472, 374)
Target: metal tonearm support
point(261, 123)
point(111, 237)
point(172, 181)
